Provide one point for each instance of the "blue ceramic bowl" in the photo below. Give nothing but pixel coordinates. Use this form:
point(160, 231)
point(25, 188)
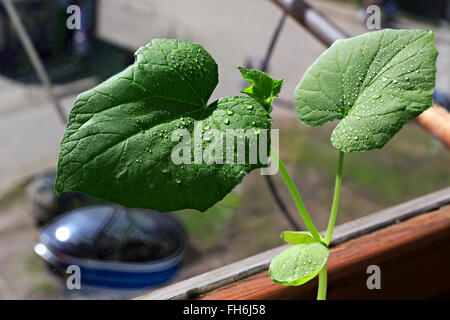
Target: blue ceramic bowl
point(114, 247)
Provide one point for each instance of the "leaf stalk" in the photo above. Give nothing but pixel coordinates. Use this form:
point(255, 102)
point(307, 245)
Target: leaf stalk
point(296, 196)
point(322, 290)
point(335, 205)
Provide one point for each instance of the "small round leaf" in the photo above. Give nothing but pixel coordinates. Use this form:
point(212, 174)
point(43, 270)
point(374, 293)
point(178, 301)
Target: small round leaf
point(298, 264)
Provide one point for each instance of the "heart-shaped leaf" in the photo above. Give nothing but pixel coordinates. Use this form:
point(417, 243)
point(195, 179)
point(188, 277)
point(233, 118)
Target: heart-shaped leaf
point(118, 143)
point(374, 83)
point(297, 237)
point(298, 264)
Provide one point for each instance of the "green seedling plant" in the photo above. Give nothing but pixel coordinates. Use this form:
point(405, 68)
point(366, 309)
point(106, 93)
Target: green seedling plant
point(118, 144)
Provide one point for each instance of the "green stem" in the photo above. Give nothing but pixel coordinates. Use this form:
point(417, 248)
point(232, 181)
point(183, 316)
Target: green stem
point(322, 290)
point(296, 196)
point(335, 205)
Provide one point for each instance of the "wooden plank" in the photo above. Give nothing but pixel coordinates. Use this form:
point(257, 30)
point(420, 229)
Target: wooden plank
point(414, 258)
point(208, 281)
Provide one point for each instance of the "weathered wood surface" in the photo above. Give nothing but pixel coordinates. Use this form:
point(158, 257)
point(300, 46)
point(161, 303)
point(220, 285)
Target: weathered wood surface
point(245, 268)
point(413, 256)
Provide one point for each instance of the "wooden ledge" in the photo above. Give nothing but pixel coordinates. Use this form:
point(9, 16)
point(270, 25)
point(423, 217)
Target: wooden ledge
point(414, 258)
point(418, 234)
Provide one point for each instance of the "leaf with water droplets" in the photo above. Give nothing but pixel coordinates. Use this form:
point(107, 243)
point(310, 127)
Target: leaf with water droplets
point(298, 264)
point(391, 91)
point(118, 142)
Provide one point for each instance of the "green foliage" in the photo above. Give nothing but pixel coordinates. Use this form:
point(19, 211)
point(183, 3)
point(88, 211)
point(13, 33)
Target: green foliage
point(118, 142)
point(298, 264)
point(373, 83)
point(297, 237)
point(263, 88)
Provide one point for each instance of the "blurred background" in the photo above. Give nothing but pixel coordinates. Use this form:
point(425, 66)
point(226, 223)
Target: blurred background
point(247, 221)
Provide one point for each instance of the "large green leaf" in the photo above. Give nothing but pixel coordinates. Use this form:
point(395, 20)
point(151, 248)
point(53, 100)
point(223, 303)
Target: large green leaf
point(374, 83)
point(298, 264)
point(118, 142)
